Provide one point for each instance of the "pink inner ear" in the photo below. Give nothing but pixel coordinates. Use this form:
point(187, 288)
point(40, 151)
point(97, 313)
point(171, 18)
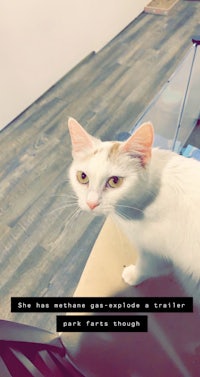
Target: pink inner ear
point(81, 140)
point(141, 142)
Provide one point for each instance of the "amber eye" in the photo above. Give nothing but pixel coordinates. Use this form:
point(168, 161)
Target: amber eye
point(114, 182)
point(82, 177)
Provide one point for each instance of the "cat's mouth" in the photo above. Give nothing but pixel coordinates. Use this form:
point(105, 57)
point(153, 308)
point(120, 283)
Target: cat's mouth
point(97, 209)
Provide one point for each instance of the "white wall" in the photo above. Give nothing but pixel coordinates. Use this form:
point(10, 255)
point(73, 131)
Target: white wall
point(41, 40)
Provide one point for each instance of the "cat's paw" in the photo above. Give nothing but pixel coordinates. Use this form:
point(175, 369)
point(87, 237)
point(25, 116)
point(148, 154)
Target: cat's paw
point(130, 275)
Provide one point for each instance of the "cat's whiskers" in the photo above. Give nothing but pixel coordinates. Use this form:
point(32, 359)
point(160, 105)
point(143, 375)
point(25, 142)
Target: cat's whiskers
point(130, 207)
point(68, 205)
point(69, 222)
point(124, 216)
point(70, 219)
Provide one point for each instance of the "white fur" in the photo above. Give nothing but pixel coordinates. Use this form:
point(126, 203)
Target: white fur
point(164, 222)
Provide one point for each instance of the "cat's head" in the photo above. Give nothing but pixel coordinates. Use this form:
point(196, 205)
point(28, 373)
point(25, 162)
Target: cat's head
point(103, 174)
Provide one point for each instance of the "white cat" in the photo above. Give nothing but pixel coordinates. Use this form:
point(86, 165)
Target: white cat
point(153, 194)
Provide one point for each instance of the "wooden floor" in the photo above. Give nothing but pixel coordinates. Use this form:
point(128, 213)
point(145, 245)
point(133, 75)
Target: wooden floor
point(43, 252)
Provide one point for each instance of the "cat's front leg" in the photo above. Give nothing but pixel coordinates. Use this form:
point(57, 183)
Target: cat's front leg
point(147, 266)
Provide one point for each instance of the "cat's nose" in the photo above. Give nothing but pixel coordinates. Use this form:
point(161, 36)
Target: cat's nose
point(92, 205)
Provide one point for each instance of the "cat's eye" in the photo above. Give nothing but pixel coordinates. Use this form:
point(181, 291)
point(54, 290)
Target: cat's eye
point(82, 177)
point(114, 182)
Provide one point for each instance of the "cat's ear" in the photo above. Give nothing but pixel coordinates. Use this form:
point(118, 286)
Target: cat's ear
point(81, 140)
point(140, 143)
